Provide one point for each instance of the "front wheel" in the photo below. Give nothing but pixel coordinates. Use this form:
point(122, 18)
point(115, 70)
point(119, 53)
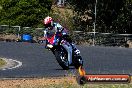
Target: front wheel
point(62, 57)
point(78, 61)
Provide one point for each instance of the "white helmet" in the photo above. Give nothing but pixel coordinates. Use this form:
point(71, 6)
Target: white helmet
point(48, 21)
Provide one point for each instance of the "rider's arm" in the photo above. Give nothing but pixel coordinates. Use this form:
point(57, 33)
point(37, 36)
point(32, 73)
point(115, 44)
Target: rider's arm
point(60, 29)
point(64, 33)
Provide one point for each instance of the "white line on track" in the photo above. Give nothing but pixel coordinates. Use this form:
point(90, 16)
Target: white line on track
point(10, 62)
point(18, 65)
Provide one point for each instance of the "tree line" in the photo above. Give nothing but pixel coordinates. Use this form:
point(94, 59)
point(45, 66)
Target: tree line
point(28, 13)
point(113, 16)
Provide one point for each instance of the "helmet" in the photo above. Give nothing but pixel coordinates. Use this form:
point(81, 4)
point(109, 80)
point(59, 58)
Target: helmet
point(48, 22)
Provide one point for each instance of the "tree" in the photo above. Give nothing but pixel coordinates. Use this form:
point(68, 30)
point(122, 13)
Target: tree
point(112, 15)
point(123, 23)
point(83, 14)
point(107, 13)
point(24, 12)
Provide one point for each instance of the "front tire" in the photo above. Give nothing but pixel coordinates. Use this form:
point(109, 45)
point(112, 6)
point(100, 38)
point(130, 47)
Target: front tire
point(78, 61)
point(62, 57)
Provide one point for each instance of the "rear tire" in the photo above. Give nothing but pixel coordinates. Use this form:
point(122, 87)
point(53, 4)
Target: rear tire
point(62, 57)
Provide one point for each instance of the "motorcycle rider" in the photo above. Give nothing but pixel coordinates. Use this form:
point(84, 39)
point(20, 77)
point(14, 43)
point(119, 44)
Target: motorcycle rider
point(52, 28)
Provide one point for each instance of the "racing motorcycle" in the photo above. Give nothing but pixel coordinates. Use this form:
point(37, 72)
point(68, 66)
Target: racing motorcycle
point(64, 51)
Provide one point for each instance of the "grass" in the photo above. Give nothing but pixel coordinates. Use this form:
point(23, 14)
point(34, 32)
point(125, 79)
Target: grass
point(63, 82)
point(2, 62)
point(68, 85)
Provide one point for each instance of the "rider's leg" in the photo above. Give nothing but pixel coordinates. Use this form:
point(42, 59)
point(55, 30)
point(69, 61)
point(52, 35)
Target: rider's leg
point(75, 49)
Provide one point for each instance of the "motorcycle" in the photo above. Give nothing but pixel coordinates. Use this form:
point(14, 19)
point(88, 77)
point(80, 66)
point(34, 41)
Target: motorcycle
point(64, 51)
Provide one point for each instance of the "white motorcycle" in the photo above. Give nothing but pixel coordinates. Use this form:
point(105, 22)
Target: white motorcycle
point(65, 52)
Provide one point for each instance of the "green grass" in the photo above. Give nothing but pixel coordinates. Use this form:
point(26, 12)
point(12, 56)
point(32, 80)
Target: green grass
point(2, 62)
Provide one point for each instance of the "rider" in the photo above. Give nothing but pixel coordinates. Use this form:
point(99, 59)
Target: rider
point(54, 27)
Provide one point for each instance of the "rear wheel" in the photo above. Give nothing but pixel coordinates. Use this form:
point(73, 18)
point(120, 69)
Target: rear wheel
point(62, 57)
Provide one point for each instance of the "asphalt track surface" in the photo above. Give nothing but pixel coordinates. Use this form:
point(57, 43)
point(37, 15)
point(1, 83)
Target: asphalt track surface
point(39, 62)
